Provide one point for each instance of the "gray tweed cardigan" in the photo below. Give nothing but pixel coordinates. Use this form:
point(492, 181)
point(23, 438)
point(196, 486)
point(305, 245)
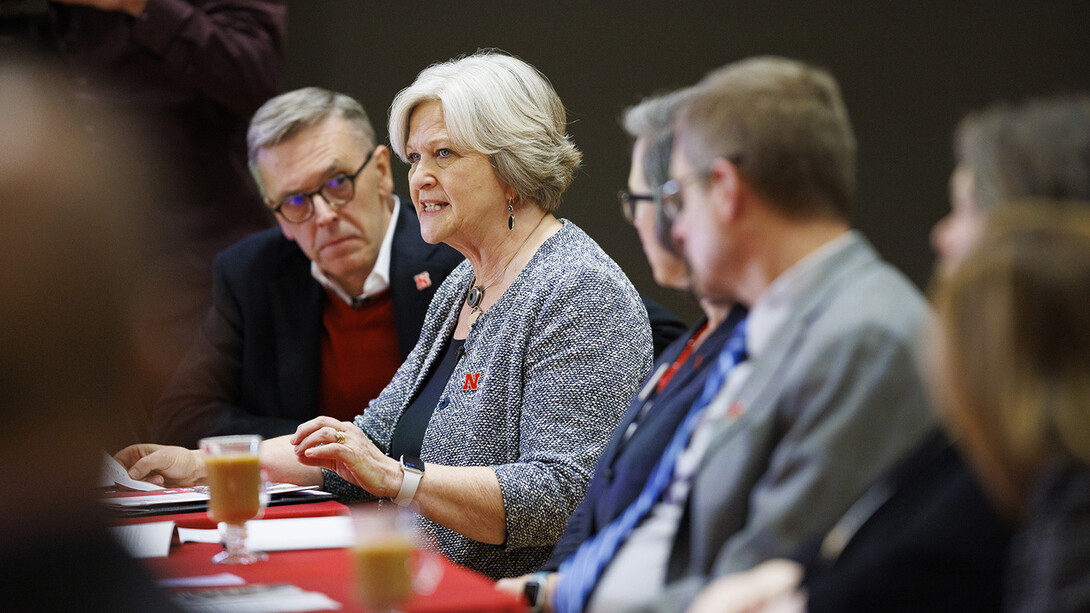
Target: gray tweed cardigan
point(560, 355)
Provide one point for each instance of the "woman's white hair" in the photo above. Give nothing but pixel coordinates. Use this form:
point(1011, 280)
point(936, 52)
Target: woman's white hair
point(500, 106)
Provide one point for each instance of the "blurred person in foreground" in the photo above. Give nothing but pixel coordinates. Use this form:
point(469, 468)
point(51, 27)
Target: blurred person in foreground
point(191, 72)
point(895, 548)
point(69, 292)
point(530, 350)
point(314, 317)
point(814, 393)
point(678, 375)
point(1012, 367)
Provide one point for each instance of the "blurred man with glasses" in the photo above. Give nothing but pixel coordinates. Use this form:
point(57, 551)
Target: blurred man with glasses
point(817, 389)
point(314, 317)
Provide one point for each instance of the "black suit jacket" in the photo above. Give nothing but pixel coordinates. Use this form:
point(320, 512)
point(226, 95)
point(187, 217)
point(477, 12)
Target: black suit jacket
point(927, 540)
point(627, 460)
point(665, 326)
point(254, 366)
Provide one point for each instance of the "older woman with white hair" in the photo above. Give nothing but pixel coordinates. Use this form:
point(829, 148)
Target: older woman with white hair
point(529, 352)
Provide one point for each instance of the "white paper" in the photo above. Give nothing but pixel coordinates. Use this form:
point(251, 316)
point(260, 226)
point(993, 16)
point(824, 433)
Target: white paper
point(150, 540)
point(256, 599)
point(158, 499)
point(217, 580)
point(201, 535)
point(285, 534)
point(113, 473)
point(195, 493)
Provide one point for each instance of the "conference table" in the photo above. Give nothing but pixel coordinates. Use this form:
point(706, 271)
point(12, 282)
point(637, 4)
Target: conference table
point(328, 571)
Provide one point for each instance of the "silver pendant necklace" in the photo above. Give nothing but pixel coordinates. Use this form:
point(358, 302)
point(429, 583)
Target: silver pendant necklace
point(475, 295)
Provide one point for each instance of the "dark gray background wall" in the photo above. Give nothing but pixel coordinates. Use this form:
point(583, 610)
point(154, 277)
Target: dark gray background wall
point(908, 70)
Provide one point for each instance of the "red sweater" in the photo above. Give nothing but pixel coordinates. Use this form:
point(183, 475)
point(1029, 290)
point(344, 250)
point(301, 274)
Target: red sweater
point(359, 354)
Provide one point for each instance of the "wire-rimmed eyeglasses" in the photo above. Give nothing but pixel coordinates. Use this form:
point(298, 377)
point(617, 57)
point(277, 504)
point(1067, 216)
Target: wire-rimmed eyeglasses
point(668, 196)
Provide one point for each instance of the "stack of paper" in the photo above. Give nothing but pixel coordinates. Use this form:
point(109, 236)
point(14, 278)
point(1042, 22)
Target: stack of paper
point(280, 598)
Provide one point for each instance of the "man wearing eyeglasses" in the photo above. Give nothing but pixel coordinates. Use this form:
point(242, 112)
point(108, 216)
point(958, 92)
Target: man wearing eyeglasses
point(816, 390)
point(314, 317)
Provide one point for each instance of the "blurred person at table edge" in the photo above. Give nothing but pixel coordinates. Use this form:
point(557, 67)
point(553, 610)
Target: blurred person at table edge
point(314, 317)
point(76, 220)
point(530, 350)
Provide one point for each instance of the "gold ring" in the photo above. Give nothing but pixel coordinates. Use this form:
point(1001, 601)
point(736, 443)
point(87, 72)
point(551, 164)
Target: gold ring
point(340, 437)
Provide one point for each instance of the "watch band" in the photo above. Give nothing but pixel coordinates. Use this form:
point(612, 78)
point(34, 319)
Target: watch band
point(534, 590)
point(412, 471)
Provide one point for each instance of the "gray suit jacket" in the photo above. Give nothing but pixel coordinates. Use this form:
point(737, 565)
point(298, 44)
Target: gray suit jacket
point(832, 401)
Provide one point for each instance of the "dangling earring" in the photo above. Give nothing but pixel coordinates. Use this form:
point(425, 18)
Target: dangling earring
point(510, 214)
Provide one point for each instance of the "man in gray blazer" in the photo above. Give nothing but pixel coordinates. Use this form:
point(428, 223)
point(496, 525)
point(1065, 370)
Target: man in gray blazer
point(828, 394)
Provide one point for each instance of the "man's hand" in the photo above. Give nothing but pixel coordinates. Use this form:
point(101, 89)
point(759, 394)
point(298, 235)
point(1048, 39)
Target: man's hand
point(513, 585)
point(769, 587)
point(162, 465)
point(132, 7)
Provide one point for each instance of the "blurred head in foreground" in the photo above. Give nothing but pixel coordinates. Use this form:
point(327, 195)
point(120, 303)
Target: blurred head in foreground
point(1013, 347)
point(1040, 149)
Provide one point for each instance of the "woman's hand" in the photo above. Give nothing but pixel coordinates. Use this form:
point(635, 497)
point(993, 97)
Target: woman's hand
point(342, 447)
point(162, 465)
point(466, 499)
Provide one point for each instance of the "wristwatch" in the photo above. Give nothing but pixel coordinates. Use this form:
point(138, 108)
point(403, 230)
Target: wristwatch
point(534, 590)
point(412, 471)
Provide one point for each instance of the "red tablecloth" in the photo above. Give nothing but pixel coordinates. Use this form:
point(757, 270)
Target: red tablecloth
point(327, 570)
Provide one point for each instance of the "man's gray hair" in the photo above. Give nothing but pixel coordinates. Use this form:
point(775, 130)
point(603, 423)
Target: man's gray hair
point(500, 106)
point(653, 119)
point(284, 116)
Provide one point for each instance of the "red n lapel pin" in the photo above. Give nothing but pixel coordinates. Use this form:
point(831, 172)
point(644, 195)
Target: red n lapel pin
point(472, 380)
point(735, 410)
point(423, 280)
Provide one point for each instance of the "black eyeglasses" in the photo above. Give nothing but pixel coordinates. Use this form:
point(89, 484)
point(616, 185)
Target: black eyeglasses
point(337, 191)
point(629, 201)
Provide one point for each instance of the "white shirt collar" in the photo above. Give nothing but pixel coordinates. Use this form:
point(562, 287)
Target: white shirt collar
point(379, 279)
point(778, 302)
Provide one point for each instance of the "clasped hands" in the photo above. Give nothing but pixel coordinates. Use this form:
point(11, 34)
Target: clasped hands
point(343, 448)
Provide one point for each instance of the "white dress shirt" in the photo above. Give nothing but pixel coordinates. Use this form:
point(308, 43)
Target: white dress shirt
point(378, 280)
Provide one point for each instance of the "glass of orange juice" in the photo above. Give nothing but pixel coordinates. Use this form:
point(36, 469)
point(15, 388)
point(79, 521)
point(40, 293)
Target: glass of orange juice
point(236, 492)
point(389, 566)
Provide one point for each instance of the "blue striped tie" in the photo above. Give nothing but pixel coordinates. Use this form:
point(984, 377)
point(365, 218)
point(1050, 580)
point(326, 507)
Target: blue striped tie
point(580, 572)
